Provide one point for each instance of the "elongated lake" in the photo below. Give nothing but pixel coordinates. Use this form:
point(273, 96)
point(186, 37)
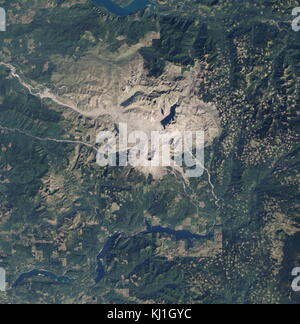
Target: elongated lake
point(111, 6)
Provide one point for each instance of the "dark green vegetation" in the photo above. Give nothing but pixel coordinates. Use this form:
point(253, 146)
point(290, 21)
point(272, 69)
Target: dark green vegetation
point(58, 208)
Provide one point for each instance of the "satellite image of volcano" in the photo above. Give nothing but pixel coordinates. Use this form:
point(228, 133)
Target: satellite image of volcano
point(130, 82)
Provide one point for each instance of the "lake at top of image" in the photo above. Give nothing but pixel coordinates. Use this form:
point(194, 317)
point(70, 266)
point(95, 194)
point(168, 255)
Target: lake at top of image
point(111, 6)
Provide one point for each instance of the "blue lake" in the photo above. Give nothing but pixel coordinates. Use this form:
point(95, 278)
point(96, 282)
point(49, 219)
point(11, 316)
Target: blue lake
point(111, 6)
point(44, 273)
point(186, 236)
point(179, 235)
point(108, 246)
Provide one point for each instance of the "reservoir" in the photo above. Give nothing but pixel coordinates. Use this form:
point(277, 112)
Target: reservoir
point(108, 246)
point(111, 6)
point(44, 273)
point(181, 235)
